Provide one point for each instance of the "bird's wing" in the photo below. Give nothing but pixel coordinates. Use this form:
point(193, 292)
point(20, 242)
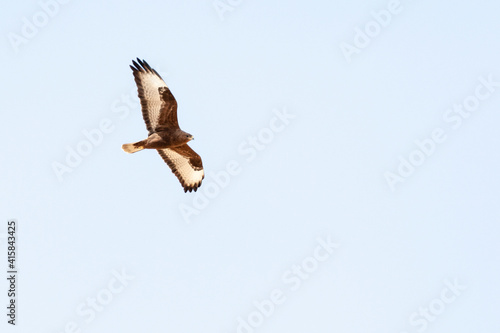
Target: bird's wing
point(185, 164)
point(159, 106)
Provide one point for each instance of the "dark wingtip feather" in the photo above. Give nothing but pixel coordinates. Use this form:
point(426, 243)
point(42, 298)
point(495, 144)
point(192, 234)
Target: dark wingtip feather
point(188, 188)
point(139, 65)
point(143, 66)
point(154, 71)
point(136, 66)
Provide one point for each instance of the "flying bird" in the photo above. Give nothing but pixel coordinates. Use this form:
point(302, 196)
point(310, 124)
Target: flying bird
point(159, 110)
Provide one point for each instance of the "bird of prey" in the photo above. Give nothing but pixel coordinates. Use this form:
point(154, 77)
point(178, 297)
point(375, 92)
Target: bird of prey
point(159, 110)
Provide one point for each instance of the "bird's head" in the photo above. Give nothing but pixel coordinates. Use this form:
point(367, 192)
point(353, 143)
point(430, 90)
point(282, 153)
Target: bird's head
point(189, 137)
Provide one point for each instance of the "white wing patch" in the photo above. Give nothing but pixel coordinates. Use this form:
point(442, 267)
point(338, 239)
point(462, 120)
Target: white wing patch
point(189, 175)
point(148, 82)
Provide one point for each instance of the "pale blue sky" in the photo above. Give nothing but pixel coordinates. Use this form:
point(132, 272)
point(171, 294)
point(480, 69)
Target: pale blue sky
point(429, 241)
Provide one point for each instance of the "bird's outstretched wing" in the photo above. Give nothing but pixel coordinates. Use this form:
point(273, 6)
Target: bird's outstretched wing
point(185, 164)
point(159, 106)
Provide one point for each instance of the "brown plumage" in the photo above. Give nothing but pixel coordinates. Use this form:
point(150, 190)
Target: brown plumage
point(159, 110)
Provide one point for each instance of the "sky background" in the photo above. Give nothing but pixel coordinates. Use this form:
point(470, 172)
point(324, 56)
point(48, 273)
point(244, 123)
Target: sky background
point(418, 254)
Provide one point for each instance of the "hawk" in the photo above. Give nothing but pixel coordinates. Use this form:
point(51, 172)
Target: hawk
point(159, 110)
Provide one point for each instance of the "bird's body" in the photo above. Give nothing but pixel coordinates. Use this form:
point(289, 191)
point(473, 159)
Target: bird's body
point(159, 109)
point(167, 138)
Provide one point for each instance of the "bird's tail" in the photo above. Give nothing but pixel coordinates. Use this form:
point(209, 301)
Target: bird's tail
point(133, 147)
